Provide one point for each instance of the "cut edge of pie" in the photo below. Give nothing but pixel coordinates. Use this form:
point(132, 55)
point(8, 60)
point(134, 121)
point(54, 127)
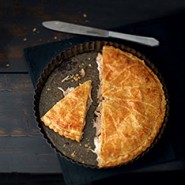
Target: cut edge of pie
point(68, 116)
point(132, 107)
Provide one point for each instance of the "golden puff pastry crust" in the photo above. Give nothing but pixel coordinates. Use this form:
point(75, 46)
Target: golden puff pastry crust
point(67, 116)
point(133, 107)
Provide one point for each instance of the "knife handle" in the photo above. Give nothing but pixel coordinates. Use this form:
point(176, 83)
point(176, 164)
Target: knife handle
point(149, 41)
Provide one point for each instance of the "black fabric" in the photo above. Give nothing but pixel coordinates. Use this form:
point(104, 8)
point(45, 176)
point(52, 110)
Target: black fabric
point(169, 58)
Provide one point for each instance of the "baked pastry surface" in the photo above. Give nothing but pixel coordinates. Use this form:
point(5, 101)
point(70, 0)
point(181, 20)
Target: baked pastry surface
point(133, 107)
point(67, 116)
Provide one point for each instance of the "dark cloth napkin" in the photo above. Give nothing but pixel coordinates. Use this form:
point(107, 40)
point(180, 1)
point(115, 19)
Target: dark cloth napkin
point(169, 58)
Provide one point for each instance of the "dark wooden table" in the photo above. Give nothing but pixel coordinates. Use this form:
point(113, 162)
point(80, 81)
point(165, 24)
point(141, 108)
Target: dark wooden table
point(22, 147)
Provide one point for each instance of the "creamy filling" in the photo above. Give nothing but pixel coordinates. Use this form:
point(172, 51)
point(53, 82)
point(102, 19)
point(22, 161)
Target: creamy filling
point(99, 61)
point(97, 147)
point(97, 122)
point(97, 125)
point(89, 102)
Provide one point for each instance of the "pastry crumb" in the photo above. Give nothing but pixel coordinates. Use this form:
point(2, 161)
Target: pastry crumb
point(84, 15)
point(34, 29)
point(73, 154)
point(82, 73)
point(76, 77)
point(7, 65)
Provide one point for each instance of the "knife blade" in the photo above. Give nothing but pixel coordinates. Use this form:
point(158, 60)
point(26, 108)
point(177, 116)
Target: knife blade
point(90, 31)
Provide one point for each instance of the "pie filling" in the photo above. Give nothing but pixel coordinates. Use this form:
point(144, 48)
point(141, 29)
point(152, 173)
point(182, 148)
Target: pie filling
point(97, 122)
point(131, 105)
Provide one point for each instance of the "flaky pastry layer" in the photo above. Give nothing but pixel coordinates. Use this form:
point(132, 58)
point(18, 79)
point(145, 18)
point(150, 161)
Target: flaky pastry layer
point(133, 107)
point(67, 116)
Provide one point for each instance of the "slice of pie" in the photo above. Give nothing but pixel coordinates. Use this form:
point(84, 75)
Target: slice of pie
point(131, 110)
point(67, 116)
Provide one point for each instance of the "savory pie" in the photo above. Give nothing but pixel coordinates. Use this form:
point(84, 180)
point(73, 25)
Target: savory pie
point(67, 117)
point(131, 109)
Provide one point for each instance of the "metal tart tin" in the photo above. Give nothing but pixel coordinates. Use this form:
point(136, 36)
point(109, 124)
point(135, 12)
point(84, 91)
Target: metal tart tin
point(68, 63)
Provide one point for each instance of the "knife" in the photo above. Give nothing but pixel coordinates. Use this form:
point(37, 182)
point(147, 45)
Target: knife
point(86, 30)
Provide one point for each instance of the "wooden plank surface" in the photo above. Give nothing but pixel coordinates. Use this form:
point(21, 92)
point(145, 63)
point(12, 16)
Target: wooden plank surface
point(16, 112)
point(25, 154)
point(23, 148)
point(21, 21)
